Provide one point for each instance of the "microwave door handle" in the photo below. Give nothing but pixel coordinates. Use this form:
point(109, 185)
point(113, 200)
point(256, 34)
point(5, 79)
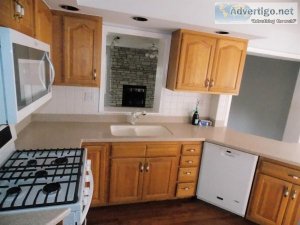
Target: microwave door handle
point(52, 70)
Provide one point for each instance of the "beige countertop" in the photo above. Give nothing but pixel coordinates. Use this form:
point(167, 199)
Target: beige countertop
point(71, 134)
point(41, 217)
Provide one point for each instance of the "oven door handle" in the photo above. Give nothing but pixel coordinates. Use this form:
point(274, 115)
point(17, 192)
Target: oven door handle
point(90, 179)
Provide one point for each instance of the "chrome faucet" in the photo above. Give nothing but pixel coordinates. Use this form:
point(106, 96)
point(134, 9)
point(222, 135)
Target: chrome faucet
point(134, 116)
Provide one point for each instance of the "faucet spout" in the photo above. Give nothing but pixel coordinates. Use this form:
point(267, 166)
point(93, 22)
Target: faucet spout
point(134, 116)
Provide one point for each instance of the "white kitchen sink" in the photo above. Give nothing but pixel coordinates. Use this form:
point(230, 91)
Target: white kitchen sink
point(139, 130)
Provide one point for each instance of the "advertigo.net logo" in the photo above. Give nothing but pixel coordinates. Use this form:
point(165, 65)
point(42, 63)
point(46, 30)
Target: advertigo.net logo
point(256, 13)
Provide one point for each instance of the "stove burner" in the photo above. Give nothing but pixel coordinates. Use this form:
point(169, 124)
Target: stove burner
point(13, 191)
point(41, 173)
point(51, 188)
point(60, 161)
point(31, 162)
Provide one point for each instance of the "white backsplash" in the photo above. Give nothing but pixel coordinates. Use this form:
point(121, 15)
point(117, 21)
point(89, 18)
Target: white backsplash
point(85, 100)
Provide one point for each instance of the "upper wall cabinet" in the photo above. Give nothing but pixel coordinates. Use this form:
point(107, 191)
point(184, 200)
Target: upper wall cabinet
point(9, 18)
point(76, 49)
point(43, 22)
point(206, 63)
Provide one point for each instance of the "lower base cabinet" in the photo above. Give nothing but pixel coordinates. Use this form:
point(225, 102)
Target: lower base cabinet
point(143, 171)
point(151, 177)
point(276, 196)
point(98, 154)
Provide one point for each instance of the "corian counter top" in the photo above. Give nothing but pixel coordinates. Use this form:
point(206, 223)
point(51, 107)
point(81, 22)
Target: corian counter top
point(43, 217)
point(71, 134)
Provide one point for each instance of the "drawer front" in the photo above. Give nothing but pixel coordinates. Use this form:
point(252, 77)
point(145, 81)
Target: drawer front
point(120, 150)
point(185, 190)
point(189, 161)
point(158, 150)
point(191, 149)
point(282, 172)
point(188, 174)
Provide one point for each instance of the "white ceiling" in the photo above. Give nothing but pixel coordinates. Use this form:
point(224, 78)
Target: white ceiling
point(169, 15)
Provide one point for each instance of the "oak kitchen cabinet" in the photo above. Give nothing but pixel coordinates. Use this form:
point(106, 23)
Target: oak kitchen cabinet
point(275, 199)
point(8, 19)
point(205, 62)
point(98, 154)
point(143, 171)
point(43, 22)
point(76, 49)
point(188, 169)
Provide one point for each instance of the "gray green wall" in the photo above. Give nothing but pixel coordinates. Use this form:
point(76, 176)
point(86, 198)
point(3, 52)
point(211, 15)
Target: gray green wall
point(266, 92)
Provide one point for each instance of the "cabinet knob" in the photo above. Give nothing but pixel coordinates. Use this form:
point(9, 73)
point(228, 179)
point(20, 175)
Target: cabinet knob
point(188, 173)
point(206, 83)
point(94, 74)
point(293, 176)
point(211, 83)
point(189, 161)
point(147, 167)
point(191, 150)
point(141, 167)
point(286, 192)
point(294, 195)
point(186, 188)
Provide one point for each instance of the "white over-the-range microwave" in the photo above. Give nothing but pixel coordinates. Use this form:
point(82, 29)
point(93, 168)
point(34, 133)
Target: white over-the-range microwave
point(26, 75)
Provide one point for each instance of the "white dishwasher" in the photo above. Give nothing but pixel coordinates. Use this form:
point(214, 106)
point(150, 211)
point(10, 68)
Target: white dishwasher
point(226, 177)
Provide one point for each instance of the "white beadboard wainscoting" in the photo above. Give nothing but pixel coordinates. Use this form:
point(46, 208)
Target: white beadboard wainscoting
point(85, 100)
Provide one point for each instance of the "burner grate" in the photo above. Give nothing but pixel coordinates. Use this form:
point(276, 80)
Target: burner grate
point(33, 179)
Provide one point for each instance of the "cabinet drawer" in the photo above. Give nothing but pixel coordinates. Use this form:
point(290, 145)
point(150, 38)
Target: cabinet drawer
point(282, 172)
point(191, 149)
point(158, 150)
point(188, 174)
point(185, 190)
point(189, 161)
point(120, 150)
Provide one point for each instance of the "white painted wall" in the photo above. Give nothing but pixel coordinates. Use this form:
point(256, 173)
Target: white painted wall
point(84, 100)
point(292, 128)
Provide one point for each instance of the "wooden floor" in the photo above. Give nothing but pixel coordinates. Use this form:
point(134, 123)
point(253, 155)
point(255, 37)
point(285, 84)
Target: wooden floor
point(175, 212)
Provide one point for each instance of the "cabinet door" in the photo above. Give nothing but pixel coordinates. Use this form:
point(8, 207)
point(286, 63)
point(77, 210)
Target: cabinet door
point(7, 13)
point(24, 24)
point(126, 180)
point(195, 63)
point(292, 216)
point(99, 158)
point(228, 66)
point(43, 22)
point(160, 178)
point(82, 39)
point(269, 200)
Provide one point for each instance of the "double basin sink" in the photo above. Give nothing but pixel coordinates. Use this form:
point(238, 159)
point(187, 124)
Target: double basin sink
point(139, 131)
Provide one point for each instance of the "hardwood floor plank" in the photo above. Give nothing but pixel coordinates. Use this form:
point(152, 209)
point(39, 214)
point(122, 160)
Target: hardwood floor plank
point(174, 212)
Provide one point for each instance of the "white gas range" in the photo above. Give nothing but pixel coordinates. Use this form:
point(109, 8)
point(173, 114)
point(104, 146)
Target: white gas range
point(31, 180)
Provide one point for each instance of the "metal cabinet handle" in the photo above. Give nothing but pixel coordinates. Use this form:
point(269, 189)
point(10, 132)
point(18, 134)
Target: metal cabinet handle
point(94, 74)
point(188, 173)
point(206, 83)
point(294, 195)
point(191, 150)
point(211, 83)
point(141, 167)
point(293, 176)
point(189, 161)
point(286, 192)
point(186, 188)
point(147, 167)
